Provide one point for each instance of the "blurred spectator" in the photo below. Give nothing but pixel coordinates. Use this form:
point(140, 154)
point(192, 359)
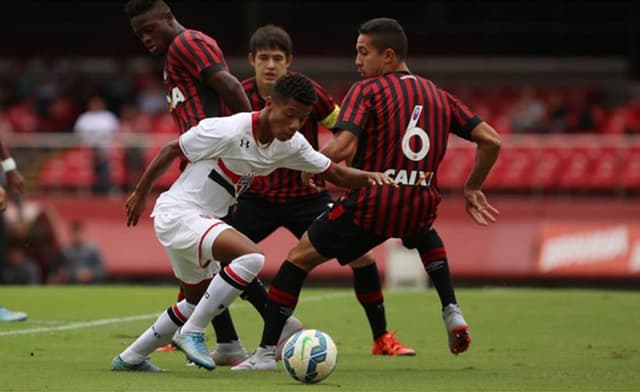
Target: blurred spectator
point(529, 112)
point(134, 130)
point(80, 262)
point(20, 268)
point(152, 99)
point(558, 112)
point(97, 128)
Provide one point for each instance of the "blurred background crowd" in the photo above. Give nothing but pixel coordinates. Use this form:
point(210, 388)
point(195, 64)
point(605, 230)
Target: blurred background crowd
point(83, 109)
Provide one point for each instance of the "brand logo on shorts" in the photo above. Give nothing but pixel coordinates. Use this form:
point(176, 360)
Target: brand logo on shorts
point(205, 216)
point(244, 143)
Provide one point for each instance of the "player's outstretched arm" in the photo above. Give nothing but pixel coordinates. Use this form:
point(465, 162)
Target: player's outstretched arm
point(354, 178)
point(476, 203)
point(136, 202)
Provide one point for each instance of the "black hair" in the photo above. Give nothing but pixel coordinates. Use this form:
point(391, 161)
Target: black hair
point(134, 8)
point(386, 33)
point(271, 37)
point(296, 86)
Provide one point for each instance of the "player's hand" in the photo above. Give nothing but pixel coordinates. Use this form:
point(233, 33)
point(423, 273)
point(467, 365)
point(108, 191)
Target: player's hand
point(376, 178)
point(15, 182)
point(135, 207)
point(479, 208)
point(307, 180)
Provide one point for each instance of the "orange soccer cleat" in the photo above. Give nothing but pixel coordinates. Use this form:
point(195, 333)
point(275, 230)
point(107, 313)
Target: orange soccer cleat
point(388, 344)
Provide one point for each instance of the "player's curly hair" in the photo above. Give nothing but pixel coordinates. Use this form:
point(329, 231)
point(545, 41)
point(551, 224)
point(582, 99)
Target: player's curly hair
point(386, 33)
point(134, 8)
point(296, 86)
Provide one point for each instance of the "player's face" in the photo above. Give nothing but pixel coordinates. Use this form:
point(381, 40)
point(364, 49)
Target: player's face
point(287, 117)
point(269, 65)
point(153, 29)
point(369, 61)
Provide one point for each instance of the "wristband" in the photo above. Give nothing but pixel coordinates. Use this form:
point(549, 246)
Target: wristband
point(8, 164)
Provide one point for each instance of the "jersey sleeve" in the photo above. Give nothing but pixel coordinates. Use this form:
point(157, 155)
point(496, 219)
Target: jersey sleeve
point(463, 120)
point(354, 111)
point(305, 158)
point(325, 110)
point(199, 54)
point(207, 140)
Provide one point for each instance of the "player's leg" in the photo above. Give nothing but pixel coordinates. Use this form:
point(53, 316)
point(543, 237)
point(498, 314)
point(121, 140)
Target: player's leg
point(434, 259)
point(243, 261)
point(194, 281)
point(255, 221)
point(331, 235)
point(368, 289)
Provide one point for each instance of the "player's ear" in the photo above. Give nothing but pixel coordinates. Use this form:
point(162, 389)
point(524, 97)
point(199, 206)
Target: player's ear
point(252, 59)
point(289, 60)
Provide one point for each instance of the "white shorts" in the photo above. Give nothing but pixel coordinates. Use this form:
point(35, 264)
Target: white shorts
point(188, 238)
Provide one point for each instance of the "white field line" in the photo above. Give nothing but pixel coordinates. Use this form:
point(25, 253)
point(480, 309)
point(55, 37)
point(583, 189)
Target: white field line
point(120, 320)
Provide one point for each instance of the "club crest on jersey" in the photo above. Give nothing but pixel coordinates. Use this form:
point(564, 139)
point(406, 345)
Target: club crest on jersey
point(244, 183)
point(410, 177)
point(244, 143)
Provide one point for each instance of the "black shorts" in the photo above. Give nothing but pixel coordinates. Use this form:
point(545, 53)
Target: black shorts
point(257, 218)
point(335, 235)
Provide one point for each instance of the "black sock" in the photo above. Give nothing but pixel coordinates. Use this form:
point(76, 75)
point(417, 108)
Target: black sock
point(439, 273)
point(434, 259)
point(223, 325)
point(256, 294)
point(284, 292)
point(366, 283)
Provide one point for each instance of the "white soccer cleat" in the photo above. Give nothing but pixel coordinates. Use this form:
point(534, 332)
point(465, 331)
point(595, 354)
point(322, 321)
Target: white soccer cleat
point(229, 354)
point(457, 329)
point(261, 359)
point(292, 326)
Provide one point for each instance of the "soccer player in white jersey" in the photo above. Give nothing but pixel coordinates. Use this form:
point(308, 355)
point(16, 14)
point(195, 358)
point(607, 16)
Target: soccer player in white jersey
point(225, 154)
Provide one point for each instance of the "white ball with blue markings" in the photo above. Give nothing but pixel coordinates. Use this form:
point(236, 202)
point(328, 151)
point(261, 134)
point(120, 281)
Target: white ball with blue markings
point(309, 356)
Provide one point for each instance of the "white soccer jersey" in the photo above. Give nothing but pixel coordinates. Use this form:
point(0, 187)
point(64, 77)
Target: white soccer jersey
point(224, 158)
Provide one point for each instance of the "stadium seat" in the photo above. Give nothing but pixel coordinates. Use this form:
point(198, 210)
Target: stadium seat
point(630, 170)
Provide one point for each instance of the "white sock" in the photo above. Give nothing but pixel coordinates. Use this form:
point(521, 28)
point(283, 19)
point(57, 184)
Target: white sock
point(223, 289)
point(159, 334)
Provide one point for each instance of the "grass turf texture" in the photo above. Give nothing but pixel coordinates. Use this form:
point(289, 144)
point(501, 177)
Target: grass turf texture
point(523, 340)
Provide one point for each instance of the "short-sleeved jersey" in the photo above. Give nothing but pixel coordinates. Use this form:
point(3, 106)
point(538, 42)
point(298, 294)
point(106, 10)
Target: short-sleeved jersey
point(402, 122)
point(191, 58)
point(225, 157)
point(284, 185)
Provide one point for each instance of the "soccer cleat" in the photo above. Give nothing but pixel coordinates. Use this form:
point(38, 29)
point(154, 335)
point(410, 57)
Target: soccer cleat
point(388, 344)
point(119, 365)
point(457, 329)
point(7, 315)
point(261, 359)
point(193, 346)
point(292, 326)
point(229, 354)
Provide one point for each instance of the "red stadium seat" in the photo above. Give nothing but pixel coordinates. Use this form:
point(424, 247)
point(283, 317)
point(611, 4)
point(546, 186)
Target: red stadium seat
point(630, 170)
point(455, 167)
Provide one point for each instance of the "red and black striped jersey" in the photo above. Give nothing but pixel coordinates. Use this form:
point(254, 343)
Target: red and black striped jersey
point(402, 122)
point(284, 185)
point(191, 58)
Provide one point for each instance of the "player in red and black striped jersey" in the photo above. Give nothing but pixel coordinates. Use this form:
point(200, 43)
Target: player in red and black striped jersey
point(281, 199)
point(198, 85)
point(398, 123)
point(197, 80)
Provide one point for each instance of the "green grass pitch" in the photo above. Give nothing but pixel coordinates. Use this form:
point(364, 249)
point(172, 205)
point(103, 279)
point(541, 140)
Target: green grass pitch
point(523, 340)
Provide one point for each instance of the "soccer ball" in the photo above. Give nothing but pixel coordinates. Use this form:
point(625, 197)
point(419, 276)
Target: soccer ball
point(309, 356)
